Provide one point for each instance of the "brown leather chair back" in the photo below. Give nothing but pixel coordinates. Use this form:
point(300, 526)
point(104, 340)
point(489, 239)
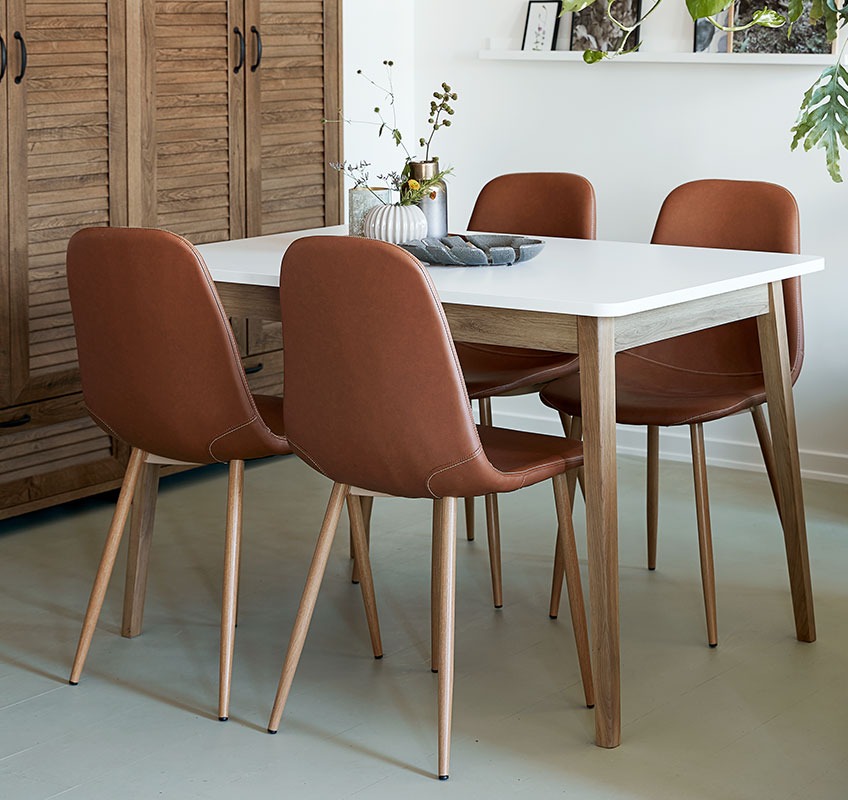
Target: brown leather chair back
point(737, 215)
point(159, 365)
point(537, 204)
point(374, 396)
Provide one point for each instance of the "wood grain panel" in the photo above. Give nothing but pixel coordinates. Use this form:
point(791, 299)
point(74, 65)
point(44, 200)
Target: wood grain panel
point(194, 152)
point(286, 105)
point(57, 453)
point(60, 153)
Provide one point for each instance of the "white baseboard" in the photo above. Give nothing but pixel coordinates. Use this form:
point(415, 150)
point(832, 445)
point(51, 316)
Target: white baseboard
point(674, 446)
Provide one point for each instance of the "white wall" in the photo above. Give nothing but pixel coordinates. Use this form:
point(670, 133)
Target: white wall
point(636, 131)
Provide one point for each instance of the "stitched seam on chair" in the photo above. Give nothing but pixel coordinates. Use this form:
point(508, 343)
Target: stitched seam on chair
point(434, 295)
point(228, 432)
point(204, 270)
point(726, 411)
point(691, 371)
point(438, 471)
point(526, 472)
point(100, 421)
point(305, 455)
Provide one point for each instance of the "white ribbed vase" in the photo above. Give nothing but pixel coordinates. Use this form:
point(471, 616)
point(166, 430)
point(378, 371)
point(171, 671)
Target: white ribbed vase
point(396, 223)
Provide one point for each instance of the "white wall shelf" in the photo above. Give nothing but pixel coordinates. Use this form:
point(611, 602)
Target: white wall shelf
point(760, 59)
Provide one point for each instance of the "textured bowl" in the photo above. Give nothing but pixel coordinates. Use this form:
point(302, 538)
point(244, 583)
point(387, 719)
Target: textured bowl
point(474, 250)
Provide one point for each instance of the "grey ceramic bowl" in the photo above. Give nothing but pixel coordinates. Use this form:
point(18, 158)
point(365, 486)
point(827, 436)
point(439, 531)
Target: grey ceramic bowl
point(474, 250)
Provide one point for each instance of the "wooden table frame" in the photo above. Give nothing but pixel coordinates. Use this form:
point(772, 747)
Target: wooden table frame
point(596, 339)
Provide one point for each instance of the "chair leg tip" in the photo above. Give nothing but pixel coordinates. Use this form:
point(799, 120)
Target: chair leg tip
point(590, 705)
point(355, 583)
point(498, 606)
point(652, 569)
point(270, 731)
point(713, 644)
point(434, 671)
point(222, 719)
point(552, 616)
point(377, 658)
point(73, 683)
point(443, 777)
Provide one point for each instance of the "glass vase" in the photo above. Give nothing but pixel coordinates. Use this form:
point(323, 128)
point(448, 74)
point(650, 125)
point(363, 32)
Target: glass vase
point(360, 200)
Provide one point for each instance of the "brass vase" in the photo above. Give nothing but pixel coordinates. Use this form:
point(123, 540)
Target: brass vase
point(435, 203)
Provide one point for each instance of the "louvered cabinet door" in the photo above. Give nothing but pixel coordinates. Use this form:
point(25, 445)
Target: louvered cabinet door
point(291, 91)
point(186, 117)
point(66, 168)
point(5, 191)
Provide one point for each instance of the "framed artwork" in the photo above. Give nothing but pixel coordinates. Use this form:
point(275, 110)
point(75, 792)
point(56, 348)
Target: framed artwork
point(709, 39)
point(807, 36)
point(540, 30)
point(591, 29)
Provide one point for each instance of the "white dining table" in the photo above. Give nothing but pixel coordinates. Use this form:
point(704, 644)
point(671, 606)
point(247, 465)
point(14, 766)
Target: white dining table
point(596, 298)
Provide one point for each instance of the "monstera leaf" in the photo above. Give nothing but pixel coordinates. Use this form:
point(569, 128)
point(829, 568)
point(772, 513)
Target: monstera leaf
point(823, 117)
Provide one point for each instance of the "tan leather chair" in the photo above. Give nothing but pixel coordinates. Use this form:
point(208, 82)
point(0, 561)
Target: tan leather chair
point(710, 374)
point(161, 370)
point(402, 427)
point(537, 204)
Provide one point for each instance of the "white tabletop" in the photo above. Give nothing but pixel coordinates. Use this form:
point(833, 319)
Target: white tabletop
point(570, 276)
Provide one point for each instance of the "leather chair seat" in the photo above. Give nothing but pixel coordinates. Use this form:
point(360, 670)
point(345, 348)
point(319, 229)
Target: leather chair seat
point(492, 370)
point(527, 458)
point(648, 392)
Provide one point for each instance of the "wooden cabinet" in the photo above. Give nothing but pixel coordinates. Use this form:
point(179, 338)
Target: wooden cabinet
point(200, 116)
point(62, 163)
point(226, 119)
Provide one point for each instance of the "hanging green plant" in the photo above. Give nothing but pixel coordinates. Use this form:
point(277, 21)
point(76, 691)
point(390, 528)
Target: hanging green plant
point(823, 117)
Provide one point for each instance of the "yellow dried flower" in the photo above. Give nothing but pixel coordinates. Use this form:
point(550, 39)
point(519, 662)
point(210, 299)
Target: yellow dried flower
point(413, 184)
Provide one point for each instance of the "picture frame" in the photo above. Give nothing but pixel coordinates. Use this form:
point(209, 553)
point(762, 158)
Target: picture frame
point(541, 25)
point(807, 36)
point(709, 39)
point(591, 29)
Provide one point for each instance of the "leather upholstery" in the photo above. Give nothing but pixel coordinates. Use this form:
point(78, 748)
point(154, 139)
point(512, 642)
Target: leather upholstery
point(715, 372)
point(374, 396)
point(537, 204)
point(160, 368)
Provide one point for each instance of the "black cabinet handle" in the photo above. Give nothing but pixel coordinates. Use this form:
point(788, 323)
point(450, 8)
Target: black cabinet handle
point(253, 370)
point(16, 423)
point(20, 76)
point(2, 58)
point(240, 64)
point(255, 66)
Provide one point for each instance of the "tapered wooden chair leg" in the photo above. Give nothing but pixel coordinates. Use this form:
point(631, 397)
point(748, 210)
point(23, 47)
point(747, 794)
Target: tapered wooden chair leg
point(764, 438)
point(573, 428)
point(705, 537)
point(307, 601)
point(469, 518)
point(493, 527)
point(653, 493)
point(366, 582)
point(556, 581)
point(493, 531)
point(435, 585)
point(366, 503)
point(567, 551)
point(232, 546)
point(107, 561)
point(447, 597)
point(138, 549)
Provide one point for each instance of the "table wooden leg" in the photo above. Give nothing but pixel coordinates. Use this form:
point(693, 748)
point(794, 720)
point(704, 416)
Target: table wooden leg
point(138, 552)
point(596, 345)
point(775, 355)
